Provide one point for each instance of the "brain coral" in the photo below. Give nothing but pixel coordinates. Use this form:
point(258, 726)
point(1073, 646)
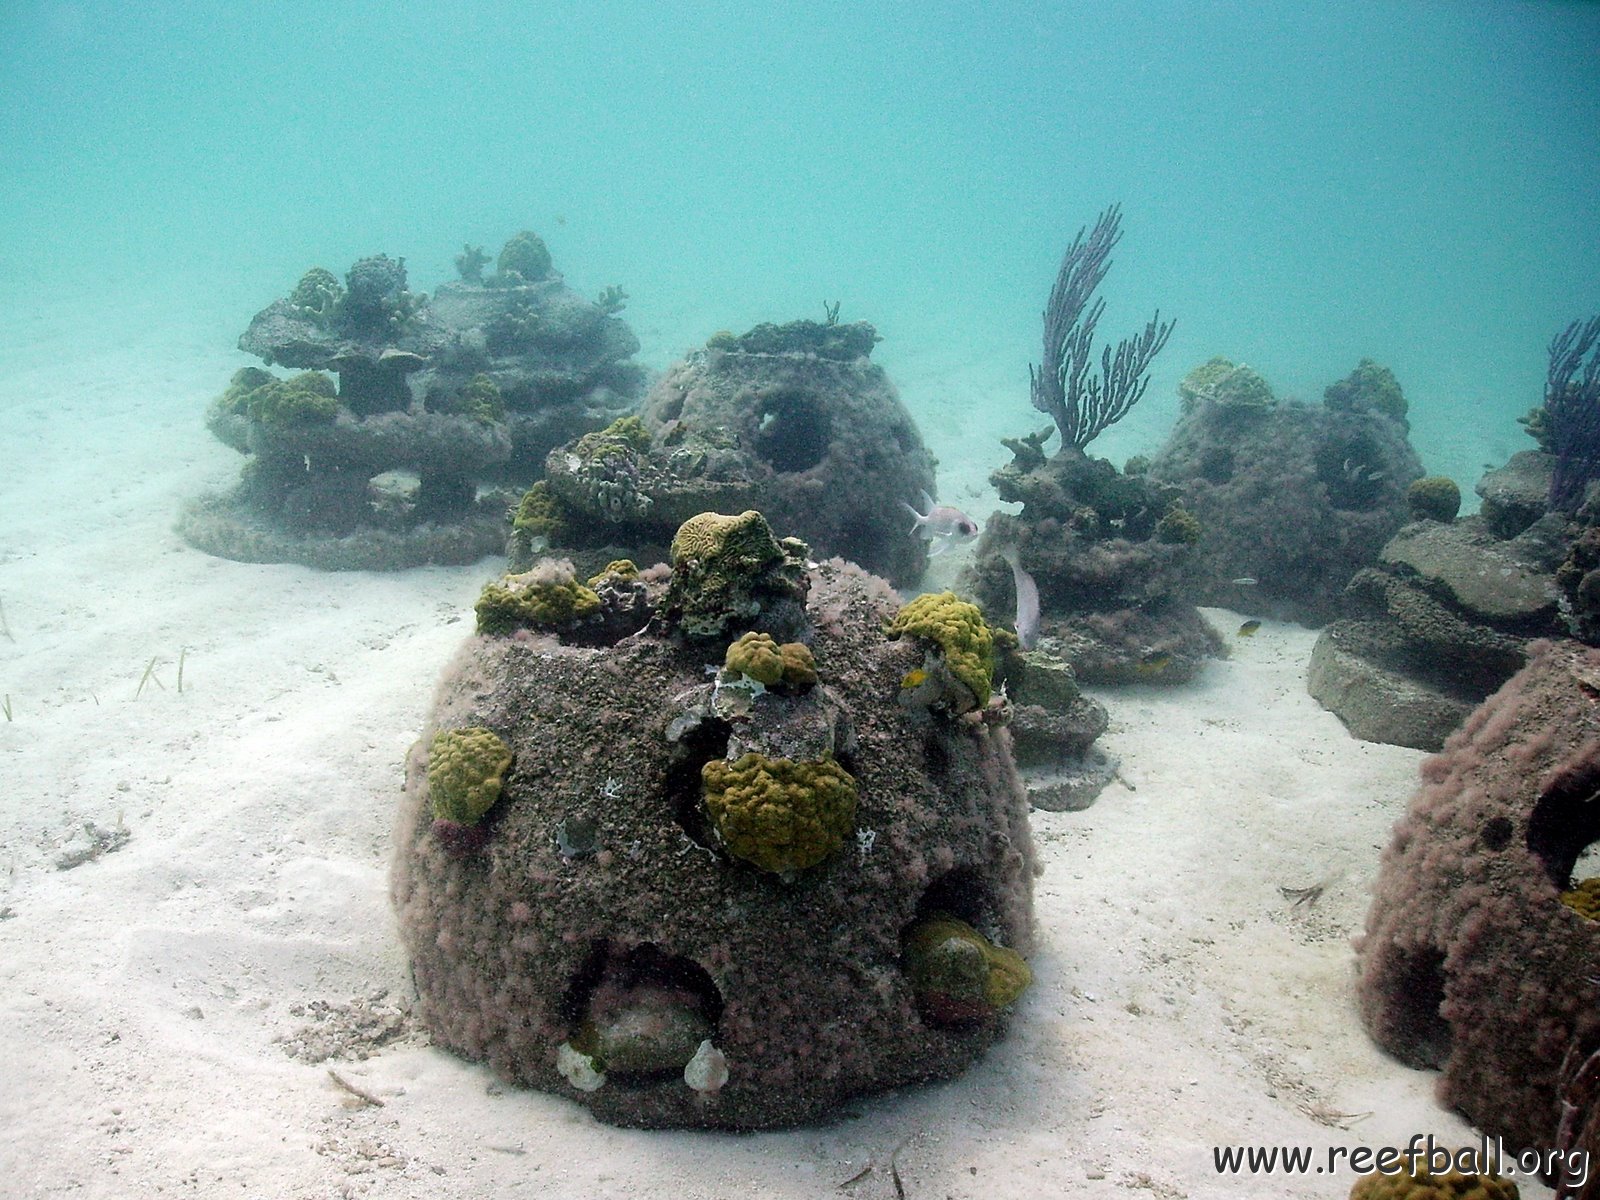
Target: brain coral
point(1371, 387)
point(731, 572)
point(1433, 498)
point(523, 259)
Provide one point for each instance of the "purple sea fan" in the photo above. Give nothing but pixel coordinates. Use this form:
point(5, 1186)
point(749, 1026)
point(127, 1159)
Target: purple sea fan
point(1572, 412)
point(1084, 405)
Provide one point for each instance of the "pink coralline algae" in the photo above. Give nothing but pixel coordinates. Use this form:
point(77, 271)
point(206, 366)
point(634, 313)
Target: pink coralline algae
point(1471, 962)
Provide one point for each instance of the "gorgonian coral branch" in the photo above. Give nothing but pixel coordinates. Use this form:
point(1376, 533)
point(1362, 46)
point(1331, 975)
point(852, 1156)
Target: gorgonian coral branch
point(1572, 411)
point(1081, 404)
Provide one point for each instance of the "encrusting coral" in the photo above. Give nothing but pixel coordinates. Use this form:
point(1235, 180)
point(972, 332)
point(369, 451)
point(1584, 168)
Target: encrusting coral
point(1584, 898)
point(1201, 382)
point(466, 770)
point(1179, 527)
point(617, 570)
point(641, 1031)
point(535, 523)
point(964, 641)
point(1221, 382)
point(545, 597)
point(958, 974)
point(759, 657)
point(480, 399)
point(309, 396)
point(778, 815)
point(597, 480)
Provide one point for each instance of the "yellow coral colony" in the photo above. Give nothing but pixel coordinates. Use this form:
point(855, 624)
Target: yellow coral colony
point(958, 974)
point(778, 814)
point(543, 598)
point(1424, 1185)
point(466, 770)
point(959, 631)
point(758, 656)
point(1584, 898)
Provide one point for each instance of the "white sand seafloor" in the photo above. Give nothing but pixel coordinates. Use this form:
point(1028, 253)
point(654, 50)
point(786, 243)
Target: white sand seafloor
point(193, 891)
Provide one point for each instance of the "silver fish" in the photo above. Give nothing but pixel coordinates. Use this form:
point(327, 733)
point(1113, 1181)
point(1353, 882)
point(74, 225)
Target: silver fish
point(1027, 599)
point(941, 526)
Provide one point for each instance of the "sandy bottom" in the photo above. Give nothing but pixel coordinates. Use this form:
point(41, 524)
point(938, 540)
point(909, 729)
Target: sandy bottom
point(193, 906)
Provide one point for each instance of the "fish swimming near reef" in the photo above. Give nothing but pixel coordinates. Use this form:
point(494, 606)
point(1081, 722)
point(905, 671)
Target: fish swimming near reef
point(1027, 599)
point(1248, 629)
point(941, 526)
point(1153, 663)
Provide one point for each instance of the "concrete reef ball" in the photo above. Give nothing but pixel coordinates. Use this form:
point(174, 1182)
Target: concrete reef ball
point(728, 876)
point(1478, 959)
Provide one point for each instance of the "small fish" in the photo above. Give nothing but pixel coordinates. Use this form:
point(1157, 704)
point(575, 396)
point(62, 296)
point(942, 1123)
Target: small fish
point(1357, 472)
point(1027, 599)
point(942, 526)
point(1248, 629)
point(1245, 581)
point(1153, 663)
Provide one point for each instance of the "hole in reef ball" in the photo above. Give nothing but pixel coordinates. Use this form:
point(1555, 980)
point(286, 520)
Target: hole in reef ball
point(1217, 466)
point(1352, 470)
point(1566, 821)
point(685, 789)
point(1496, 833)
point(1424, 1033)
point(792, 430)
point(959, 893)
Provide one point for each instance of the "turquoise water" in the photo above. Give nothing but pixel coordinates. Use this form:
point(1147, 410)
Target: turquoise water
point(1302, 185)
